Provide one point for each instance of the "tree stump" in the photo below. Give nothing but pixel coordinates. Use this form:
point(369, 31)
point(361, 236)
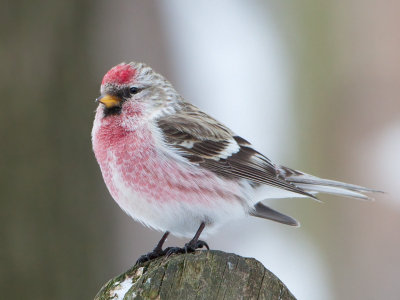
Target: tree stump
point(199, 275)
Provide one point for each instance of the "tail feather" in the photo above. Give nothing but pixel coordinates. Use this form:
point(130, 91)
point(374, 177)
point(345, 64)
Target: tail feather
point(265, 212)
point(333, 190)
point(311, 185)
point(314, 184)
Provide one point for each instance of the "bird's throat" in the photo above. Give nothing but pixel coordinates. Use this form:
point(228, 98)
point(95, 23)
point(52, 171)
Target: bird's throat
point(116, 110)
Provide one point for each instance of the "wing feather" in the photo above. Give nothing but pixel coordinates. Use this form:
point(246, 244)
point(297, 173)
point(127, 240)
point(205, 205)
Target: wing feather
point(206, 142)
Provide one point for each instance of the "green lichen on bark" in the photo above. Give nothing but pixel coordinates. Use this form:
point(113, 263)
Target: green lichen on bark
point(200, 275)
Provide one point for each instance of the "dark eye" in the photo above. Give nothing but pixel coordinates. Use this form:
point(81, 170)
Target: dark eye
point(134, 90)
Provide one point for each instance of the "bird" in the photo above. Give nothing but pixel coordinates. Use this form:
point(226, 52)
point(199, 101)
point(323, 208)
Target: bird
point(176, 169)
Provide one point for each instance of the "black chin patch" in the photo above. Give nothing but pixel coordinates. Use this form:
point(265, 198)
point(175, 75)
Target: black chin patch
point(116, 110)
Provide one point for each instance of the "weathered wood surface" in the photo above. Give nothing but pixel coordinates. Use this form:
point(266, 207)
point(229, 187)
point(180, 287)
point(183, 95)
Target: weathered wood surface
point(200, 275)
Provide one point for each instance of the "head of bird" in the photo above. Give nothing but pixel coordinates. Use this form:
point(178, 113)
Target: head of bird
point(134, 89)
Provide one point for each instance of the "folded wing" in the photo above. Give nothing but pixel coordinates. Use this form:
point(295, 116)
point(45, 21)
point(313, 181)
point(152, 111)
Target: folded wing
point(206, 142)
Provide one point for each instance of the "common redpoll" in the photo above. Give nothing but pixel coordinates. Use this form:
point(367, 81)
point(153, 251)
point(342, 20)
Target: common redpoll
point(174, 168)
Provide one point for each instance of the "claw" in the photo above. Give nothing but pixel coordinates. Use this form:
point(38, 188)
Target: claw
point(151, 255)
point(201, 244)
point(174, 250)
point(142, 259)
point(190, 247)
point(194, 245)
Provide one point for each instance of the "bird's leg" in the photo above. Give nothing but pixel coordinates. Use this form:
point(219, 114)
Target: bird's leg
point(194, 244)
point(157, 251)
point(158, 248)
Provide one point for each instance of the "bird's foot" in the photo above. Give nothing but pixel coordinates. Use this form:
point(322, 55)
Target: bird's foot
point(157, 252)
point(194, 245)
point(190, 247)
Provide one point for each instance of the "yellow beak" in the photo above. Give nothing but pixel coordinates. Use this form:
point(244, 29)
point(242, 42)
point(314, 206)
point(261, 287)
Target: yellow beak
point(109, 100)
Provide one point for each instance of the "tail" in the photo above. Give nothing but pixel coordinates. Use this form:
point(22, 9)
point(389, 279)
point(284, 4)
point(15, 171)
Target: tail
point(313, 185)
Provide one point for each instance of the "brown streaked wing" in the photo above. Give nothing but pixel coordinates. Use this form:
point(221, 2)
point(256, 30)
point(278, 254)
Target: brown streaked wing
point(196, 124)
point(205, 141)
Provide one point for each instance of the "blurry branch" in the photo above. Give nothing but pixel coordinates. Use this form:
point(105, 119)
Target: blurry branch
point(203, 275)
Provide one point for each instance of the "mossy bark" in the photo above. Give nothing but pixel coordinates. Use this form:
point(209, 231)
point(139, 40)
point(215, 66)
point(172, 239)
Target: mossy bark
point(200, 275)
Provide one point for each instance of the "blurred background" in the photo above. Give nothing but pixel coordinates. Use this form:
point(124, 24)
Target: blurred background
point(313, 84)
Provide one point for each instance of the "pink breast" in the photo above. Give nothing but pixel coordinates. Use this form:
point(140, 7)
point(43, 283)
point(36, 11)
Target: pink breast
point(149, 172)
